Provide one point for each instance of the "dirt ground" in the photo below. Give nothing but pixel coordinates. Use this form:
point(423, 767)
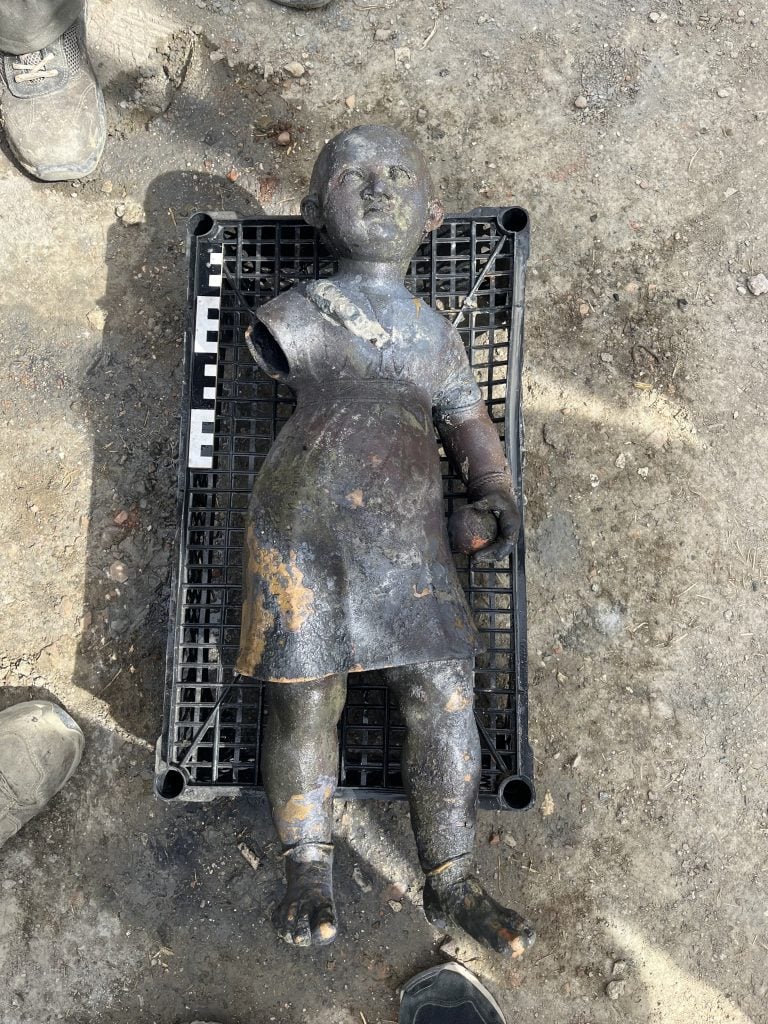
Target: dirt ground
point(644, 862)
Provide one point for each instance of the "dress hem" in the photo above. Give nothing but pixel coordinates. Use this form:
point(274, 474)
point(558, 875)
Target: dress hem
point(354, 669)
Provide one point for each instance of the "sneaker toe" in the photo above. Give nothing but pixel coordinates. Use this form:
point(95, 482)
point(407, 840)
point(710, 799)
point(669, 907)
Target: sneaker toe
point(40, 748)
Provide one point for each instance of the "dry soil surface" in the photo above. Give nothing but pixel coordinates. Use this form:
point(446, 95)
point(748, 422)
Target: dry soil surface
point(646, 374)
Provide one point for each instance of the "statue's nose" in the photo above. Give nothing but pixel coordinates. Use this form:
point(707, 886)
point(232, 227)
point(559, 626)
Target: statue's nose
point(377, 187)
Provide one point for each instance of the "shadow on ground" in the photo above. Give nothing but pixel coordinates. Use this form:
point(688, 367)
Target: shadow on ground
point(131, 395)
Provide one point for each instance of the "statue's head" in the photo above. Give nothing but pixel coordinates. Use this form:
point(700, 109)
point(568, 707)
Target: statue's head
point(372, 194)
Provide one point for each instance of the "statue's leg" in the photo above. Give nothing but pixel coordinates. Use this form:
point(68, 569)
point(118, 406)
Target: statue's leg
point(441, 771)
point(299, 766)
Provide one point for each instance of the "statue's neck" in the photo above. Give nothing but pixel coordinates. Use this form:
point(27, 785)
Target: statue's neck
point(372, 273)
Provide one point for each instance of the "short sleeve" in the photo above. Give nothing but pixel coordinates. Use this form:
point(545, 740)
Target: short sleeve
point(456, 388)
point(283, 336)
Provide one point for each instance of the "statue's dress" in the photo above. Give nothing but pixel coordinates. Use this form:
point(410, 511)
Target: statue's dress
point(347, 565)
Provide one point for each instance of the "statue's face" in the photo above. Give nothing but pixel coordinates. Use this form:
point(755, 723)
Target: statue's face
point(376, 202)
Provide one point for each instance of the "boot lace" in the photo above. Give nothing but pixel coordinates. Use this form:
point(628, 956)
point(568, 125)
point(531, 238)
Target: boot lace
point(31, 67)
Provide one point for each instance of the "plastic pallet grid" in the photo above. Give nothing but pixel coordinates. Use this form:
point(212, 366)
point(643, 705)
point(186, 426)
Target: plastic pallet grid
point(472, 269)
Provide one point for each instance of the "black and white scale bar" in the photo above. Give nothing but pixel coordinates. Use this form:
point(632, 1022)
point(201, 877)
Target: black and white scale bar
point(205, 364)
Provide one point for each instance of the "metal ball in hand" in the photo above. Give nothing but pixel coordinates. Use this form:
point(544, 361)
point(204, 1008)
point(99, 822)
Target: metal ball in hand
point(471, 529)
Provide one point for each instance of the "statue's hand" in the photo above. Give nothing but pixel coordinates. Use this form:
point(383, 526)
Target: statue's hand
point(502, 503)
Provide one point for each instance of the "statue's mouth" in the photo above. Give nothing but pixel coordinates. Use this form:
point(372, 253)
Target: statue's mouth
point(375, 209)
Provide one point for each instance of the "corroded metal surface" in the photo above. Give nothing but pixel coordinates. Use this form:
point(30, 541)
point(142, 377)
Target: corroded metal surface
point(347, 560)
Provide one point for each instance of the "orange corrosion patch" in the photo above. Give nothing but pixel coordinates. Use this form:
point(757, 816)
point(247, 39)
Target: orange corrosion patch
point(298, 809)
point(514, 943)
point(355, 498)
point(417, 304)
point(457, 702)
point(303, 815)
point(284, 581)
point(257, 621)
point(421, 593)
point(302, 806)
point(297, 679)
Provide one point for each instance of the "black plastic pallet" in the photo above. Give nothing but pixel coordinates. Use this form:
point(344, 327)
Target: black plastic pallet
point(473, 270)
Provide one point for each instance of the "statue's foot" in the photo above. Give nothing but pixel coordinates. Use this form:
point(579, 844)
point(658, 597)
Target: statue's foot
point(306, 916)
point(465, 903)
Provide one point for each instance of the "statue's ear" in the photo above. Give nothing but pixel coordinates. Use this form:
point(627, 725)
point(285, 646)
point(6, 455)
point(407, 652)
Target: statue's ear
point(310, 211)
point(435, 215)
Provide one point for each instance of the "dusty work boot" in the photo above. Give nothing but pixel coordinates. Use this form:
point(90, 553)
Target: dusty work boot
point(53, 108)
point(448, 994)
point(40, 747)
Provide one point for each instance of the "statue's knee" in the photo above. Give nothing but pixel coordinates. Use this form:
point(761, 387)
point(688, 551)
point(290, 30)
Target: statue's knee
point(450, 688)
point(307, 706)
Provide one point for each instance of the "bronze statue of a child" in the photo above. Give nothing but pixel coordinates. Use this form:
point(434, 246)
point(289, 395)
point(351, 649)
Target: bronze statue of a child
point(347, 561)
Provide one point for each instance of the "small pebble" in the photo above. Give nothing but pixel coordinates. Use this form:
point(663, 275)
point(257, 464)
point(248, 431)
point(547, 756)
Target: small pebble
point(741, 289)
point(580, 103)
point(350, 102)
point(284, 139)
point(294, 69)
point(654, 16)
point(547, 805)
point(551, 436)
point(359, 880)
point(606, 357)
point(584, 309)
point(118, 572)
point(106, 187)
point(232, 174)
point(395, 906)
point(615, 989)
point(421, 115)
point(217, 55)
point(594, 480)
point(621, 461)
point(758, 284)
point(133, 212)
point(643, 472)
point(723, 93)
point(509, 841)
point(383, 35)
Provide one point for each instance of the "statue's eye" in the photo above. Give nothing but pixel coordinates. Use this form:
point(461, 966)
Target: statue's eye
point(351, 174)
point(399, 174)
